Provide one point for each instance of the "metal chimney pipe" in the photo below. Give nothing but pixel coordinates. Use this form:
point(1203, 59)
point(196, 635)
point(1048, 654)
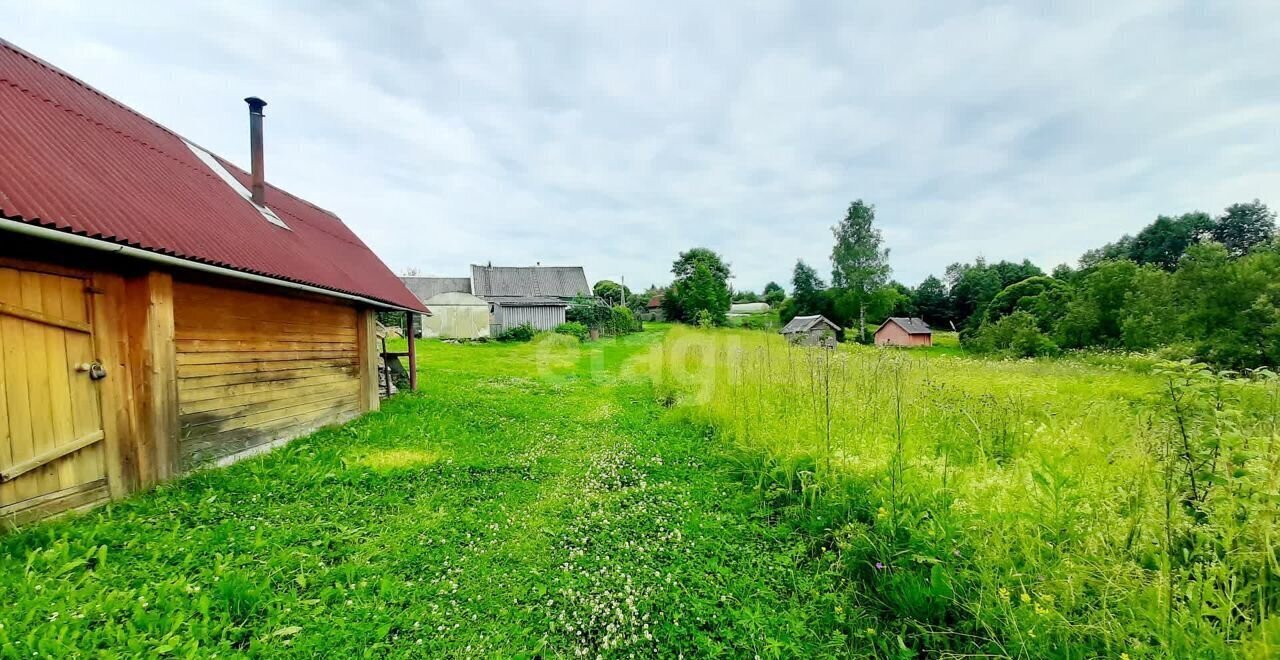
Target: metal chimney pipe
point(259, 187)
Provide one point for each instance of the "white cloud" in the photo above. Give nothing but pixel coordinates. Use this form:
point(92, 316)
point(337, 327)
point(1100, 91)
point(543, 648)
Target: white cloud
point(615, 135)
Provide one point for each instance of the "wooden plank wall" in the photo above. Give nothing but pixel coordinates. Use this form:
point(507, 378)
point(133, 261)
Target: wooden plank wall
point(367, 339)
point(255, 369)
point(149, 321)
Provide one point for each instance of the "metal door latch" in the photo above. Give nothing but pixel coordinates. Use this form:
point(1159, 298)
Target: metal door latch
point(95, 370)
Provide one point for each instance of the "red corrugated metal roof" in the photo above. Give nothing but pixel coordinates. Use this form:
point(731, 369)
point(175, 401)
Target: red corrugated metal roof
point(76, 160)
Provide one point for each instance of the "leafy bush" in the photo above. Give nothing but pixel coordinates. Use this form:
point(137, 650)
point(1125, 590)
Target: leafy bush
point(1018, 333)
point(757, 322)
point(587, 311)
point(1176, 351)
point(573, 329)
point(1031, 342)
point(621, 321)
point(522, 332)
point(594, 315)
point(591, 313)
point(391, 319)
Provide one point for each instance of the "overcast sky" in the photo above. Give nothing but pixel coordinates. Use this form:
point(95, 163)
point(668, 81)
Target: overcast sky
point(614, 135)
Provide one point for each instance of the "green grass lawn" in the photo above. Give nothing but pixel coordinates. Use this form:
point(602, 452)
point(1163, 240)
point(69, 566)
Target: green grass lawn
point(530, 499)
point(698, 493)
point(944, 343)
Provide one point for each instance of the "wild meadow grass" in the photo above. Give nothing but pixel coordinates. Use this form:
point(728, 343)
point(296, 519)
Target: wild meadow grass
point(1052, 508)
point(700, 493)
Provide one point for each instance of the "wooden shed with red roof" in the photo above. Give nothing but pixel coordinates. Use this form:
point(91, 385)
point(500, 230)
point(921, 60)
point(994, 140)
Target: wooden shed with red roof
point(160, 308)
point(904, 331)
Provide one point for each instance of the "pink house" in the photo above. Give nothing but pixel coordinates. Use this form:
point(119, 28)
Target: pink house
point(902, 331)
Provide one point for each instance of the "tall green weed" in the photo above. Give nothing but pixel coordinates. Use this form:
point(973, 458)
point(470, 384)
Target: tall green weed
point(1035, 508)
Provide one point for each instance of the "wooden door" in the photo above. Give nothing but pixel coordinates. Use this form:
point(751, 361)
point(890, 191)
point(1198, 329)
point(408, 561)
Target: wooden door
point(52, 451)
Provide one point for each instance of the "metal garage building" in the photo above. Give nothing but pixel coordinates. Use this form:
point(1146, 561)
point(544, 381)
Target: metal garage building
point(455, 313)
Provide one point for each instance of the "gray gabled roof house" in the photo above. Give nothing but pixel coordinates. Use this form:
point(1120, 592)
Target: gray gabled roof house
point(563, 282)
point(534, 295)
point(806, 323)
point(501, 297)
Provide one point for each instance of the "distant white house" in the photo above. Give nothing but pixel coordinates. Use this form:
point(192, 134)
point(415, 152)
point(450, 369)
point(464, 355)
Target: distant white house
point(748, 309)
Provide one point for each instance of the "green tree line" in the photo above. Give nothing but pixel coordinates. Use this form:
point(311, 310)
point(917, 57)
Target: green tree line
point(1190, 285)
point(1193, 285)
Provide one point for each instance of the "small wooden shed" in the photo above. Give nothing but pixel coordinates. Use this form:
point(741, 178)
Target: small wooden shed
point(904, 331)
point(816, 330)
point(160, 308)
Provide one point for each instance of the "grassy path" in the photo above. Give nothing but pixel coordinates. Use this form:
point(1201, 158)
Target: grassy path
point(527, 501)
